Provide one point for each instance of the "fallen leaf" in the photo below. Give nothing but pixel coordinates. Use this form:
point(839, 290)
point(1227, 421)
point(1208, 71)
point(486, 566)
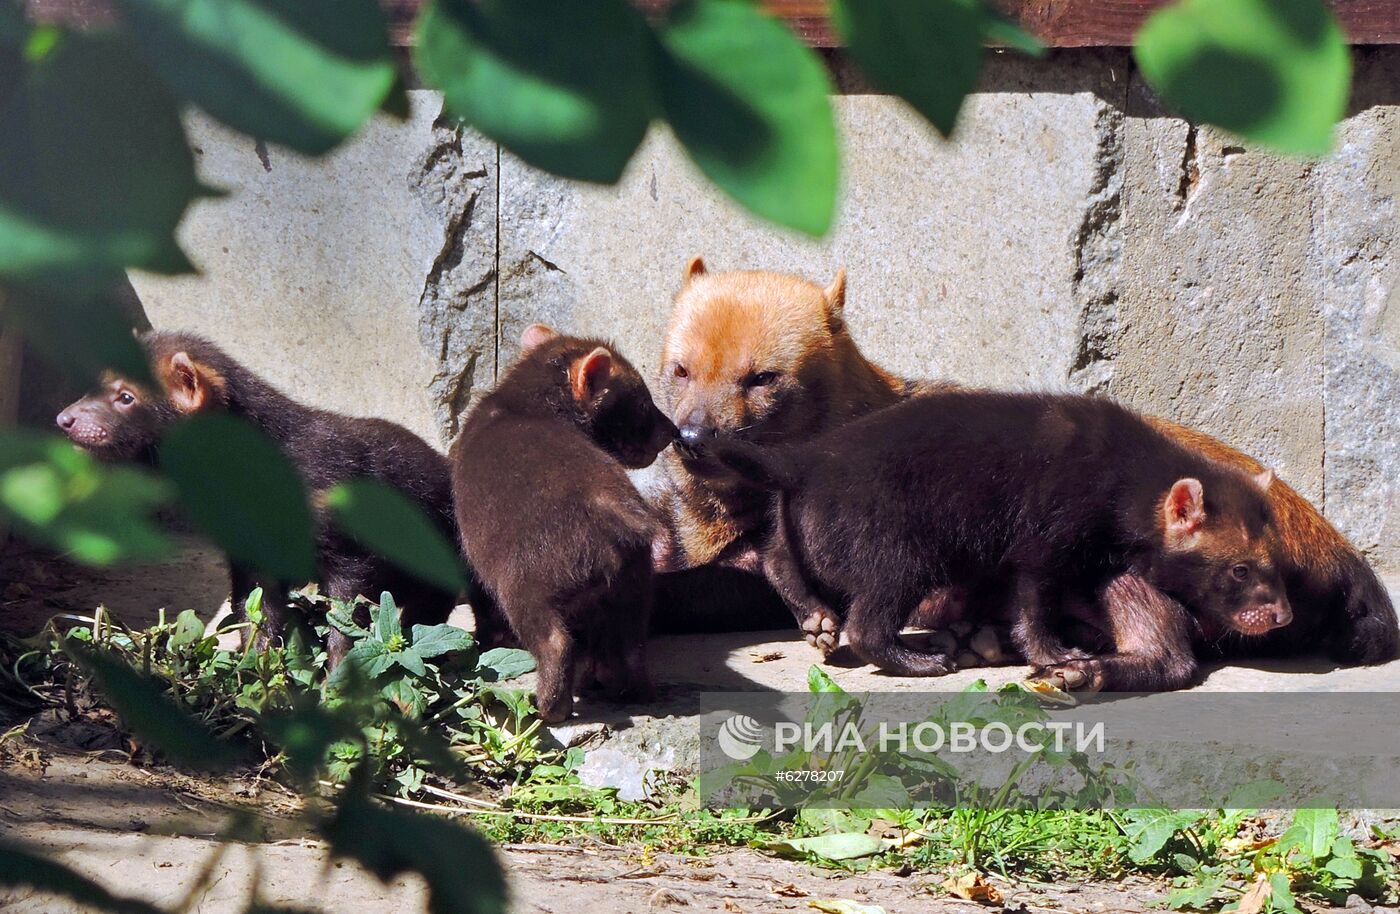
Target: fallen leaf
point(789, 890)
point(766, 656)
point(844, 906)
point(973, 887)
point(845, 846)
point(731, 905)
point(1049, 692)
point(1257, 897)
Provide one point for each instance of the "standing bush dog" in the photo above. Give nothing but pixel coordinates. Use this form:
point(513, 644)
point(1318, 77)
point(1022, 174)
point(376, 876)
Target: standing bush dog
point(730, 331)
point(1049, 491)
point(561, 541)
point(123, 420)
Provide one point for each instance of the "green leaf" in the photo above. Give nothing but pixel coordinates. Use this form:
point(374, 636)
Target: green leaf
point(368, 658)
point(1312, 833)
point(406, 696)
point(82, 334)
point(94, 169)
point(751, 105)
point(431, 641)
point(1277, 72)
point(306, 733)
point(410, 661)
point(928, 52)
point(40, 872)
point(239, 488)
point(1150, 829)
point(386, 618)
point(1196, 896)
point(502, 663)
point(818, 681)
point(459, 866)
point(58, 495)
point(385, 521)
point(564, 85)
point(847, 846)
point(1281, 896)
point(150, 713)
point(188, 629)
point(302, 73)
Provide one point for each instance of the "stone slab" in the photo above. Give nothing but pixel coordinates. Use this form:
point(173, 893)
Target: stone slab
point(962, 256)
point(342, 279)
point(1359, 247)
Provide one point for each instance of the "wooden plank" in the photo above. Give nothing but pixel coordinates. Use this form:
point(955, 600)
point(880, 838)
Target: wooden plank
point(1058, 23)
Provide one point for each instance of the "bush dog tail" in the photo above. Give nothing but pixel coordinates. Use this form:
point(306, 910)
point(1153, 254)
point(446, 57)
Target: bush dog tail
point(771, 468)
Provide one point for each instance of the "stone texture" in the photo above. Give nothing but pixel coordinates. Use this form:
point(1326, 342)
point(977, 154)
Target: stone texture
point(355, 281)
point(962, 255)
point(1216, 315)
point(1359, 252)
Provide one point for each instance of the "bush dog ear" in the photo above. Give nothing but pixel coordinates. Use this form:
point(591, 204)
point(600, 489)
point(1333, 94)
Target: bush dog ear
point(835, 295)
point(695, 268)
point(589, 375)
point(1263, 479)
point(536, 335)
point(1183, 511)
point(189, 385)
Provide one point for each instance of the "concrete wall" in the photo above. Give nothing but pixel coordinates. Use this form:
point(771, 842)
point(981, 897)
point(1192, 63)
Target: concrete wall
point(1072, 236)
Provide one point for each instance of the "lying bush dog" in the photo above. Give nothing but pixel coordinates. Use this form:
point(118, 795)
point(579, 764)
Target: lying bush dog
point(1050, 491)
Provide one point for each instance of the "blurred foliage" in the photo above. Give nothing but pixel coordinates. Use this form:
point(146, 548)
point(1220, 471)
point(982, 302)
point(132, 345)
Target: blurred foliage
point(1277, 72)
point(61, 497)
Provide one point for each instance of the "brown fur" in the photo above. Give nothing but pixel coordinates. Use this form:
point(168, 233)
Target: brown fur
point(560, 540)
point(123, 420)
point(961, 486)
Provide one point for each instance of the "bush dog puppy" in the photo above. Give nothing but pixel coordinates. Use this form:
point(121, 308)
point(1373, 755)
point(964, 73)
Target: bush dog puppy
point(559, 537)
point(959, 486)
point(730, 330)
point(123, 420)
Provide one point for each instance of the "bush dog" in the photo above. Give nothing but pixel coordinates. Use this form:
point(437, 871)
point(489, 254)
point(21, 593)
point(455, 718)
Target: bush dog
point(559, 537)
point(729, 330)
point(123, 420)
point(960, 486)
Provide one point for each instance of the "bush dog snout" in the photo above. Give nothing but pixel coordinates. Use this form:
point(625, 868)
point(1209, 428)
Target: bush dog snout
point(1046, 492)
point(559, 537)
point(123, 420)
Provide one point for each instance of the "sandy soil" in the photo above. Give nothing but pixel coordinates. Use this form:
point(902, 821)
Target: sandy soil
point(148, 833)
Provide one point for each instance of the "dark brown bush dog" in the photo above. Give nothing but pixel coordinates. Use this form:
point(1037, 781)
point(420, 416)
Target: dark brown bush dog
point(123, 420)
point(561, 541)
point(1046, 490)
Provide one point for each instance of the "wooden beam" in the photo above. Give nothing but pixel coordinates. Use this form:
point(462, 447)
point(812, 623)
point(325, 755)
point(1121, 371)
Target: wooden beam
point(1058, 23)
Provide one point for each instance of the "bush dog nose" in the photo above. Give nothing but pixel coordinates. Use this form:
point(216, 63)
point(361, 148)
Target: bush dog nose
point(66, 420)
point(694, 435)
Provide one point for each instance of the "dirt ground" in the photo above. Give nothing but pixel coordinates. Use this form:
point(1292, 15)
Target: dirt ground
point(148, 833)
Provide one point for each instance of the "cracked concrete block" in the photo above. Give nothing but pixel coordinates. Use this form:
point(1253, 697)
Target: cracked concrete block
point(1215, 316)
point(966, 259)
point(361, 282)
point(1359, 229)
